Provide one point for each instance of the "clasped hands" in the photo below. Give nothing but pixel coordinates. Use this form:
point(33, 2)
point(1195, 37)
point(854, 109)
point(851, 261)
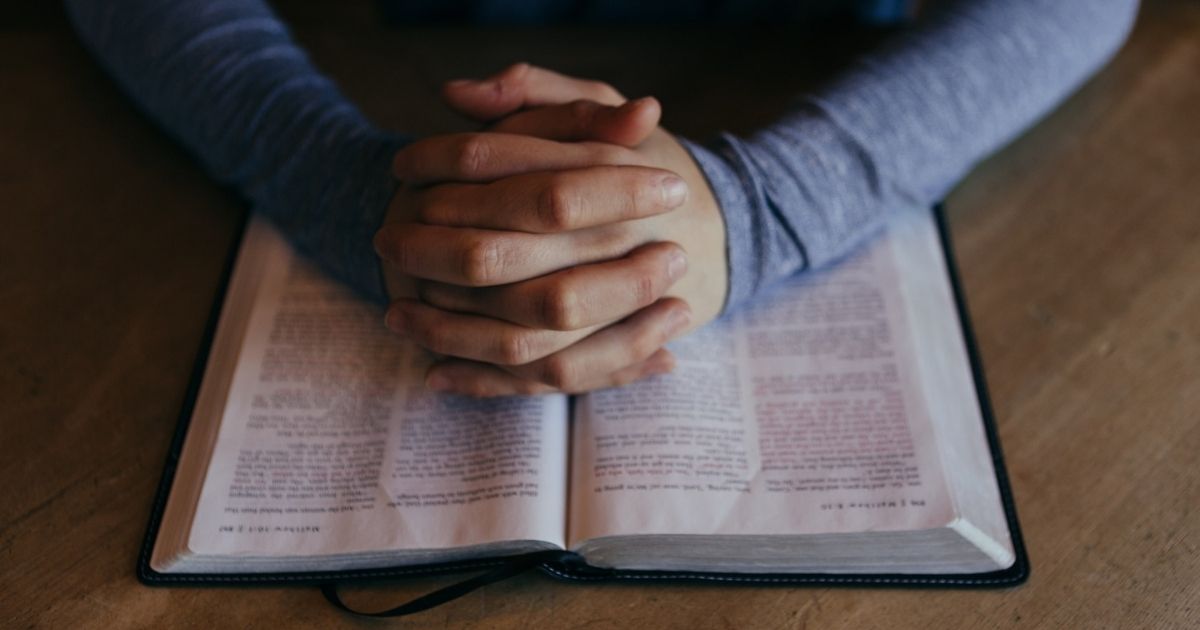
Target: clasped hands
point(557, 250)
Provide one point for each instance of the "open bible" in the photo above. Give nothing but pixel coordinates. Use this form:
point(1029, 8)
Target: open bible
point(833, 432)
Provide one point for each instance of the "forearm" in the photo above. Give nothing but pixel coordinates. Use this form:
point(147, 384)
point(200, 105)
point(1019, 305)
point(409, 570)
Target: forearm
point(900, 128)
point(225, 78)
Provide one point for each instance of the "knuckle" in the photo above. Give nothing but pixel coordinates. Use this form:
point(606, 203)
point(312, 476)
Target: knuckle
point(515, 349)
point(583, 112)
point(481, 262)
point(517, 71)
point(560, 373)
point(645, 289)
point(472, 154)
point(395, 247)
point(559, 308)
point(557, 205)
point(512, 81)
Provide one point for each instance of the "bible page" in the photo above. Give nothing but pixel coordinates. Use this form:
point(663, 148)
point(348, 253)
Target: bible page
point(329, 443)
point(802, 414)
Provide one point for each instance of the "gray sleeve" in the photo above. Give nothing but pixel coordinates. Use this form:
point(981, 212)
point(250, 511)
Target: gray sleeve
point(899, 128)
point(226, 80)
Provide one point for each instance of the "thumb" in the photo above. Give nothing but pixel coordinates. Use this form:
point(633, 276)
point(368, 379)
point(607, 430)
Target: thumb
point(628, 125)
point(520, 86)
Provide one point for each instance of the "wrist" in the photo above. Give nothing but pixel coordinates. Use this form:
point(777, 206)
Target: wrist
point(734, 201)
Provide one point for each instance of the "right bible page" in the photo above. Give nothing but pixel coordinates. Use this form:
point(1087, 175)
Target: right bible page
point(803, 414)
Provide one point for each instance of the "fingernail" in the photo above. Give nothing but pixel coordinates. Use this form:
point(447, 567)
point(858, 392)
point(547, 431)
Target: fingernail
point(676, 264)
point(379, 242)
point(475, 85)
point(436, 382)
point(674, 191)
point(678, 320)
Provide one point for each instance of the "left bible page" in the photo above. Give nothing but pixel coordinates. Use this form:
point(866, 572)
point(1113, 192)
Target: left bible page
point(330, 454)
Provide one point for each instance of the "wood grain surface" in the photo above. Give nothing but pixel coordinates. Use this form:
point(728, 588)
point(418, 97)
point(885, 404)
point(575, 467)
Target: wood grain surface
point(1080, 253)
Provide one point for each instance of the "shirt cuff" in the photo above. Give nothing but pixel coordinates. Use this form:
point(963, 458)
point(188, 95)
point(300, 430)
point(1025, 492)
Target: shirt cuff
point(746, 237)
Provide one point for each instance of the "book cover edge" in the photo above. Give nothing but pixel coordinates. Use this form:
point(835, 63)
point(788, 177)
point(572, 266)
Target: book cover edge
point(570, 567)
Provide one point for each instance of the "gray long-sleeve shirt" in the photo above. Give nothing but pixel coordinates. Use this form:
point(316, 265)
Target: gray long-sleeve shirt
point(898, 129)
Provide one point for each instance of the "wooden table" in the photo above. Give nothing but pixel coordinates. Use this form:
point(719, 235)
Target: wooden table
point(1080, 252)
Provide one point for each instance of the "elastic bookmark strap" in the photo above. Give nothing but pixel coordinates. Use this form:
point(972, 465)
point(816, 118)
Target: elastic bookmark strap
point(513, 566)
